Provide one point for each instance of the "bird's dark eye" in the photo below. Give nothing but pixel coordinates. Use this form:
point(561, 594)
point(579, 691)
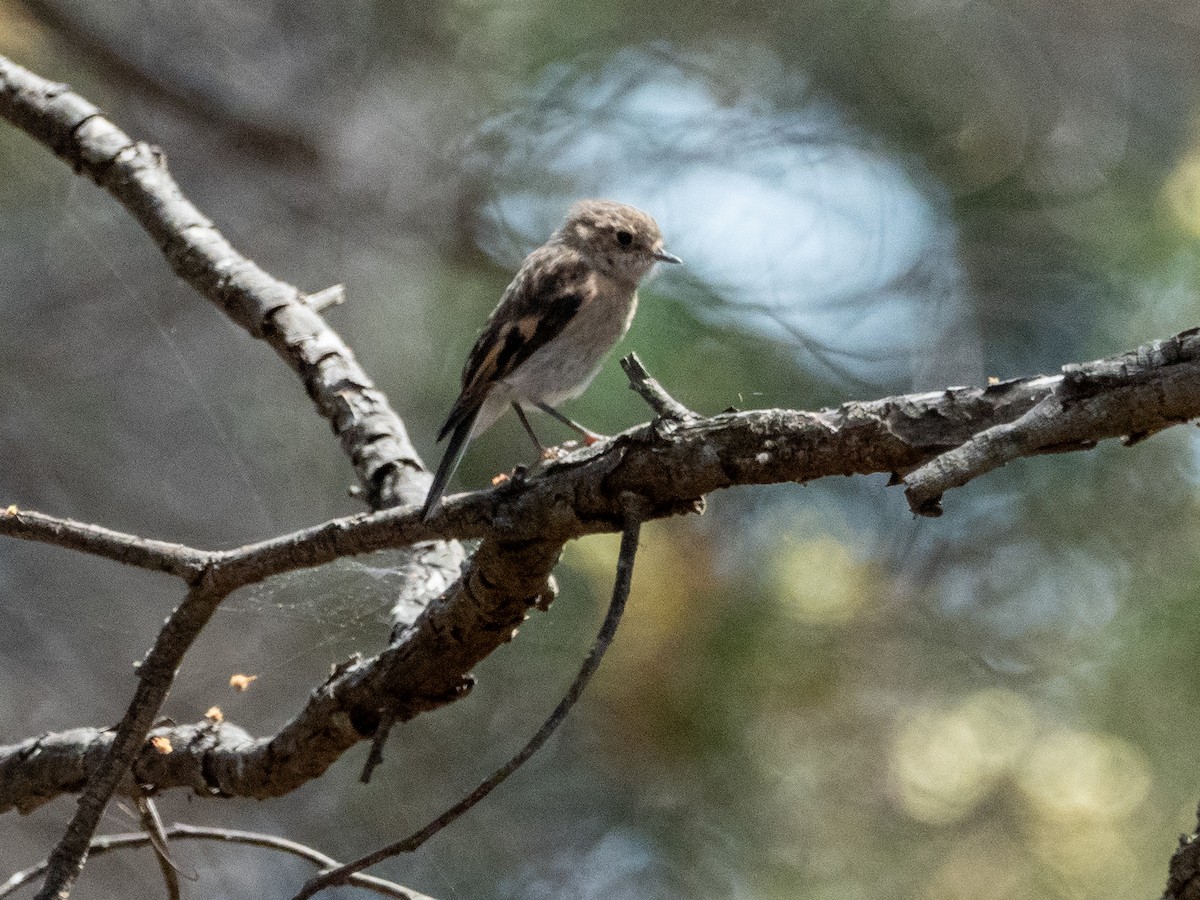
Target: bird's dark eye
point(624, 238)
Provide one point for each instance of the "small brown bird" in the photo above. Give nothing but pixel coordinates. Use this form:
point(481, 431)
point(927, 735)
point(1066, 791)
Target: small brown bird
point(569, 304)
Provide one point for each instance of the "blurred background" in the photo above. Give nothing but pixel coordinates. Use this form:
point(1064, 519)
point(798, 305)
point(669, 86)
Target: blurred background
point(813, 695)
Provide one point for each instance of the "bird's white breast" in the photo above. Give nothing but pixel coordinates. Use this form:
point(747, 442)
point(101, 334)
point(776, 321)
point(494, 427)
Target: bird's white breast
point(566, 365)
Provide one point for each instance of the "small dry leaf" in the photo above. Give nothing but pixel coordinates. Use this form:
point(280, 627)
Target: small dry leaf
point(161, 744)
point(12, 510)
point(242, 682)
point(214, 714)
point(500, 479)
point(992, 379)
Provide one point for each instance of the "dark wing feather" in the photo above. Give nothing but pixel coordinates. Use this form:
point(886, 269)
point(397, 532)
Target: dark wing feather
point(543, 298)
point(450, 460)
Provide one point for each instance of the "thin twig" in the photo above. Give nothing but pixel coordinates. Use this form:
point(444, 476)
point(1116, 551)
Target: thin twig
point(624, 578)
point(152, 824)
point(334, 295)
point(180, 832)
point(648, 388)
point(375, 757)
point(159, 556)
point(990, 449)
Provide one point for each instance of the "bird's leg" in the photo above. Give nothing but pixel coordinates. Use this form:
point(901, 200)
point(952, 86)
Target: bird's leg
point(529, 428)
point(589, 437)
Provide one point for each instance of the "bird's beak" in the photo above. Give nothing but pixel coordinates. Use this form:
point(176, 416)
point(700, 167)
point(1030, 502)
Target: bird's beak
point(664, 256)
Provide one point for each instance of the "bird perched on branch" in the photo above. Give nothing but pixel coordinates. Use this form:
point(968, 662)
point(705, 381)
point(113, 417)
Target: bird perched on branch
point(570, 302)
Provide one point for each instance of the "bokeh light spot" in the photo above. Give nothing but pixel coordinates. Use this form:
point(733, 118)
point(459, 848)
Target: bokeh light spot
point(1182, 192)
point(944, 764)
point(1073, 775)
point(820, 580)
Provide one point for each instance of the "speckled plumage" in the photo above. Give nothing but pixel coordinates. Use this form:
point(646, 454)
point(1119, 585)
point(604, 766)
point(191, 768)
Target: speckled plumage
point(568, 305)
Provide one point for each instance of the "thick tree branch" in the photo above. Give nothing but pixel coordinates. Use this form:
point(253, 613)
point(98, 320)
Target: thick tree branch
point(525, 523)
point(583, 492)
point(1133, 396)
point(136, 175)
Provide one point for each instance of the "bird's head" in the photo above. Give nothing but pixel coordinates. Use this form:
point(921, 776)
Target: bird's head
point(621, 241)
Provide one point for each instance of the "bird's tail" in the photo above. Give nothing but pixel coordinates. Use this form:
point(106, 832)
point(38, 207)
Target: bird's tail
point(459, 439)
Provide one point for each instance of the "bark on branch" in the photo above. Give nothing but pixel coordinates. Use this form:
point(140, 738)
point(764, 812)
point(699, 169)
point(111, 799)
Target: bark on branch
point(670, 464)
point(135, 174)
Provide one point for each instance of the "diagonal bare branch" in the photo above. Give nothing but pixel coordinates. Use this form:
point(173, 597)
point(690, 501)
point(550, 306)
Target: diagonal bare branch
point(135, 174)
point(156, 674)
point(371, 434)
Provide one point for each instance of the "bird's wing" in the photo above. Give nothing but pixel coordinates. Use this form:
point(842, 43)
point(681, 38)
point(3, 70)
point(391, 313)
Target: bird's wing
point(546, 294)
